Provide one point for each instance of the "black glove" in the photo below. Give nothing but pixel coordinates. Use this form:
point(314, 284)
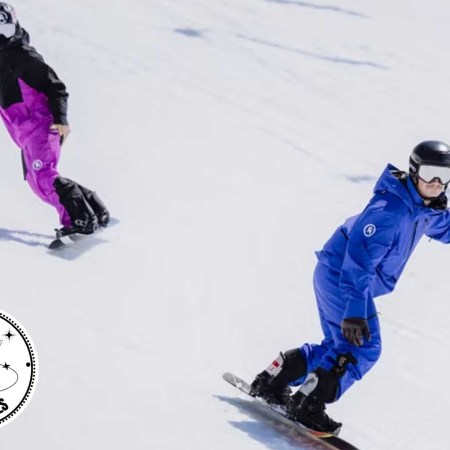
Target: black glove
point(354, 330)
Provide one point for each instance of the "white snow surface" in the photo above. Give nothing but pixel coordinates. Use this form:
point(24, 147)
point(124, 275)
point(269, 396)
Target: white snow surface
point(229, 139)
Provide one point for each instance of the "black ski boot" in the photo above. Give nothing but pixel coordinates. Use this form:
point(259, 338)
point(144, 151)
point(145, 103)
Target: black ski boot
point(272, 384)
point(307, 405)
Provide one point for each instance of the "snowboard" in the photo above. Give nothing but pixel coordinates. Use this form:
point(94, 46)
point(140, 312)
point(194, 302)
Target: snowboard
point(279, 415)
point(66, 236)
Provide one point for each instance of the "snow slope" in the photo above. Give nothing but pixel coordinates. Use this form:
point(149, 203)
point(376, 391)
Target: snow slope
point(229, 139)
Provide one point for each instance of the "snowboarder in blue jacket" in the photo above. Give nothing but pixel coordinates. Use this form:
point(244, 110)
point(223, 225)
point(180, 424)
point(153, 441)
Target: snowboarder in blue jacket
point(363, 259)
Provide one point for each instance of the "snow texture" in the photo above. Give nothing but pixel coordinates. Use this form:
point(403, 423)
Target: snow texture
point(229, 139)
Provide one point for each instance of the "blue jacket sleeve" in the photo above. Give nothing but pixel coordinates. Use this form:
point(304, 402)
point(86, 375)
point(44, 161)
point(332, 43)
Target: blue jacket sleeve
point(369, 240)
point(439, 228)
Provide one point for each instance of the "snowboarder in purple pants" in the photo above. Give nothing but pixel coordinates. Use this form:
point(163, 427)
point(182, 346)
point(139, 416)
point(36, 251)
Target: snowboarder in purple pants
point(33, 106)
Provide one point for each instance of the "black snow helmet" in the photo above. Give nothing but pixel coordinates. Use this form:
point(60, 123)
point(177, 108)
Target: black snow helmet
point(8, 21)
point(429, 153)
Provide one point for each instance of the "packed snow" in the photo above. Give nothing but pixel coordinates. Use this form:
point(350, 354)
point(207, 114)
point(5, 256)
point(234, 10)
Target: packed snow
point(229, 139)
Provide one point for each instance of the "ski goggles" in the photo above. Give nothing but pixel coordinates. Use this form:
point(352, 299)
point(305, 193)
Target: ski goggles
point(7, 29)
point(8, 20)
point(430, 173)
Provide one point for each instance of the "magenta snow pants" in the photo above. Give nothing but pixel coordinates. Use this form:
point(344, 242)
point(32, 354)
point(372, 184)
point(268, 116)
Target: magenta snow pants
point(29, 123)
point(40, 158)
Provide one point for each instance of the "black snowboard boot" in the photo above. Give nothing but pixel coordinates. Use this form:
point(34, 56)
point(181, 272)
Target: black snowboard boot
point(307, 405)
point(80, 227)
point(82, 205)
point(272, 384)
point(88, 226)
point(97, 206)
point(103, 218)
point(275, 395)
point(310, 412)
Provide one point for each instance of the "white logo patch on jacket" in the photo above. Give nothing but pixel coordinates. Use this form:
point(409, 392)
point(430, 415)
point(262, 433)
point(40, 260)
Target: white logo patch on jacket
point(369, 230)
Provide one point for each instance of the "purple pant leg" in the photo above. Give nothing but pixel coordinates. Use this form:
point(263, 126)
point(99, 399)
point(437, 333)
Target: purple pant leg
point(41, 155)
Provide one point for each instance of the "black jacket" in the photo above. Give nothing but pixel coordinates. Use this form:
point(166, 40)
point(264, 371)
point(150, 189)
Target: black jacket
point(20, 61)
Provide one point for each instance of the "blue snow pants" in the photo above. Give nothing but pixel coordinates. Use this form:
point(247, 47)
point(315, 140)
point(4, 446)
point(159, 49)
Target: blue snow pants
point(331, 307)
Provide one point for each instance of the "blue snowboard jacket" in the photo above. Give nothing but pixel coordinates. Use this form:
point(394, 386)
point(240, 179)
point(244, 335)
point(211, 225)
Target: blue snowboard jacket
point(369, 251)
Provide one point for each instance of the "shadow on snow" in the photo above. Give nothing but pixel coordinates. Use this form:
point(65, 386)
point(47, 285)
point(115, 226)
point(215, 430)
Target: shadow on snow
point(25, 237)
point(189, 32)
point(274, 435)
point(69, 252)
point(82, 244)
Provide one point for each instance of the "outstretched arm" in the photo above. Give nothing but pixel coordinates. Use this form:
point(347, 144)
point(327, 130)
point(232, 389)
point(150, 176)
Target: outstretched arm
point(439, 227)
